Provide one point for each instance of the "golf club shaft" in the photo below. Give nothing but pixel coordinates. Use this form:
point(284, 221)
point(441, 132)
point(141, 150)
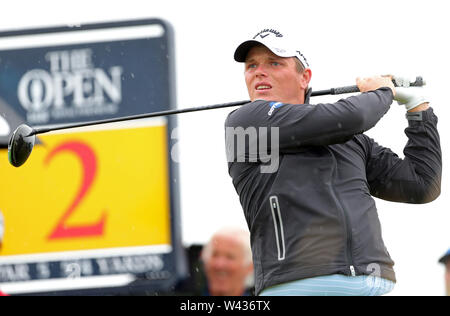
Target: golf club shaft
point(44, 129)
point(333, 91)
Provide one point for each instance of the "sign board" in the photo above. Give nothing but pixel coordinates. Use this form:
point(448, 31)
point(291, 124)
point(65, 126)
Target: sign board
point(93, 209)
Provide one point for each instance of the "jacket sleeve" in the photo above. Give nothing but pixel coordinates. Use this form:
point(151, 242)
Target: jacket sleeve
point(314, 125)
point(416, 178)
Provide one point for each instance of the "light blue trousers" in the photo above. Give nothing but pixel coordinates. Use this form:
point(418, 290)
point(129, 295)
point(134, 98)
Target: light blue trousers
point(333, 285)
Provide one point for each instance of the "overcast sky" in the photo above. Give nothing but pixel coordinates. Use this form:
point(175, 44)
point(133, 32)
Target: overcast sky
point(342, 40)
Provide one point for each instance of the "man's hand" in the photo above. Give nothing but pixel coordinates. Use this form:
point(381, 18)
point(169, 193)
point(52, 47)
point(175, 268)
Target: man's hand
point(374, 83)
point(412, 98)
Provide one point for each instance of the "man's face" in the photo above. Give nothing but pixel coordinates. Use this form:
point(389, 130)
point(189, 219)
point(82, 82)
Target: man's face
point(226, 268)
point(273, 78)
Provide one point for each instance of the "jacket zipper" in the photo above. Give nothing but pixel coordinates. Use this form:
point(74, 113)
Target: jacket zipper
point(278, 226)
point(347, 228)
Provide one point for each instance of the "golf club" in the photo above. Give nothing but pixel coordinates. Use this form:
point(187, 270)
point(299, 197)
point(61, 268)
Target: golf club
point(22, 140)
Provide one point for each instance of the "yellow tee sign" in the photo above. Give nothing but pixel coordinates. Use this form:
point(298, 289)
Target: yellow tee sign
point(88, 190)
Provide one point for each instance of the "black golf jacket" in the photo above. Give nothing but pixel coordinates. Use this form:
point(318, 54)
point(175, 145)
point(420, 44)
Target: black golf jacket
point(312, 213)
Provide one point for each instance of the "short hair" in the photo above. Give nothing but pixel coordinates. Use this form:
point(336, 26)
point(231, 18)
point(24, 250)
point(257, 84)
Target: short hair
point(240, 235)
point(299, 65)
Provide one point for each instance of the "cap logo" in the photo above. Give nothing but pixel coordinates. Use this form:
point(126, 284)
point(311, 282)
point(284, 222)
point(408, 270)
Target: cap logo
point(280, 50)
point(304, 58)
point(264, 33)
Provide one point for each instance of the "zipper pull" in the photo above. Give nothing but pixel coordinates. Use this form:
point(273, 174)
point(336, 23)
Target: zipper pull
point(352, 270)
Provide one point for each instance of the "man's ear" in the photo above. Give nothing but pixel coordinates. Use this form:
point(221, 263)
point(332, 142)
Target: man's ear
point(305, 78)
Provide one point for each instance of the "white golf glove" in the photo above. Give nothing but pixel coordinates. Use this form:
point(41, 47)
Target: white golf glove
point(409, 97)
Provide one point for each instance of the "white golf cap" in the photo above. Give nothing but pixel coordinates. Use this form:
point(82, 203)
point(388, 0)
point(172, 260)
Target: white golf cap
point(273, 40)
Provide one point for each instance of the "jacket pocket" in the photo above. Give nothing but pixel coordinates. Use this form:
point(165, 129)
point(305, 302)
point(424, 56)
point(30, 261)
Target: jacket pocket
point(278, 227)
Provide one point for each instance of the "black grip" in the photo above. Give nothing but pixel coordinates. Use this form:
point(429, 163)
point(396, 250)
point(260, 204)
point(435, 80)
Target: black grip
point(352, 89)
point(418, 83)
point(343, 90)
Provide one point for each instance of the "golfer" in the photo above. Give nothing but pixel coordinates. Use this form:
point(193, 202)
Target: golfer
point(313, 220)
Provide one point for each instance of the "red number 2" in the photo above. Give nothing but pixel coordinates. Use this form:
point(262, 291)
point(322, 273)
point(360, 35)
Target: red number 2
point(89, 163)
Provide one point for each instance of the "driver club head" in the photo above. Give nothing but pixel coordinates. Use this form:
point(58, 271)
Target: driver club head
point(20, 145)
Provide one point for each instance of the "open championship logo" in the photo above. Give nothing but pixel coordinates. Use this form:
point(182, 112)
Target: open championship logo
point(71, 88)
